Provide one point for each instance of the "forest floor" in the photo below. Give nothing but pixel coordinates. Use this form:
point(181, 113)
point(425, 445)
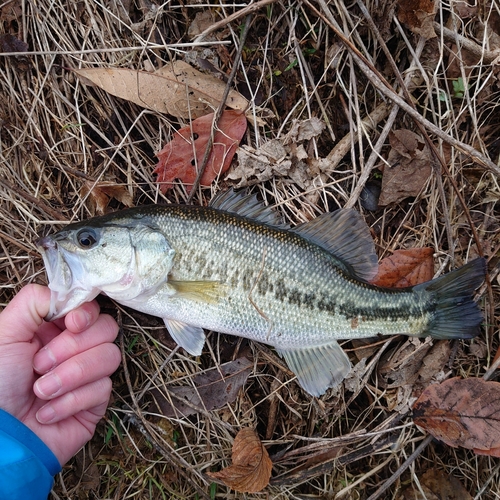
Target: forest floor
point(405, 102)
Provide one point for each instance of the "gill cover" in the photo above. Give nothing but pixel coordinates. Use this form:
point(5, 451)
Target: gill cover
point(124, 259)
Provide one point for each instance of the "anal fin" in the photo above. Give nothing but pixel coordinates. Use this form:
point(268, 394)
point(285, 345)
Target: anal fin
point(191, 338)
point(319, 367)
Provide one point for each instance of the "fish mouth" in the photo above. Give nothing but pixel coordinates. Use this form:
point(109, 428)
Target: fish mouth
point(63, 269)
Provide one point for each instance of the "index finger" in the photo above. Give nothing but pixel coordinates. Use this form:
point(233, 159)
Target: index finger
point(23, 315)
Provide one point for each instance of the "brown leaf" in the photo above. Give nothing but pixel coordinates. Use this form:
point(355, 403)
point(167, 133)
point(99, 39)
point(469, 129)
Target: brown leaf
point(407, 267)
point(212, 390)
point(11, 11)
point(9, 43)
point(101, 193)
point(410, 167)
point(437, 485)
point(400, 366)
point(462, 412)
point(180, 157)
point(176, 89)
point(251, 469)
point(418, 15)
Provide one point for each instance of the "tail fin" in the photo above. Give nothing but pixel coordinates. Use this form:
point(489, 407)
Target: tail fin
point(456, 315)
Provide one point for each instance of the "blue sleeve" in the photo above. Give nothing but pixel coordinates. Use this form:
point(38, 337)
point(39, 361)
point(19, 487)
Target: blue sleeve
point(27, 466)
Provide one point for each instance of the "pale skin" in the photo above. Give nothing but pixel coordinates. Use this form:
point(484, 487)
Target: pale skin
point(54, 377)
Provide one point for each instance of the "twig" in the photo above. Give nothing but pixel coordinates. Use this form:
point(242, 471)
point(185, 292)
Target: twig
point(386, 89)
point(110, 50)
point(420, 448)
point(220, 110)
point(250, 9)
point(342, 147)
point(144, 427)
point(57, 216)
point(375, 154)
point(487, 56)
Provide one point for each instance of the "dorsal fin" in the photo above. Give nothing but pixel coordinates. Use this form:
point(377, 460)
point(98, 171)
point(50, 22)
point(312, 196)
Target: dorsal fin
point(345, 234)
point(246, 205)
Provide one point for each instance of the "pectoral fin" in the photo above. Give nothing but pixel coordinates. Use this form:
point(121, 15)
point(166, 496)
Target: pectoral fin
point(203, 291)
point(319, 367)
point(191, 338)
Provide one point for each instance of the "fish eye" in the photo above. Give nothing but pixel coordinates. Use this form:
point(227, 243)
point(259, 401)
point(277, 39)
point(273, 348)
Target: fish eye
point(86, 238)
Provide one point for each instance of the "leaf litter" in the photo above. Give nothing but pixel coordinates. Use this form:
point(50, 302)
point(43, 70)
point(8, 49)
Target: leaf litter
point(352, 440)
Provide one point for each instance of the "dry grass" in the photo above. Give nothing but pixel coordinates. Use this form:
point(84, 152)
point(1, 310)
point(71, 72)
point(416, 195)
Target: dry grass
point(57, 135)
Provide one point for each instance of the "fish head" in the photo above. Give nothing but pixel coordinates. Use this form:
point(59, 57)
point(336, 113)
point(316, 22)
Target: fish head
point(123, 258)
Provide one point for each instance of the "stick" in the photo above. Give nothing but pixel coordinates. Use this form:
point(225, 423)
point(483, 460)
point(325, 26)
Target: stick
point(220, 110)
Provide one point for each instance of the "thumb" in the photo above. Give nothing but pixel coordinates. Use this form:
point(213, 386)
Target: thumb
point(24, 314)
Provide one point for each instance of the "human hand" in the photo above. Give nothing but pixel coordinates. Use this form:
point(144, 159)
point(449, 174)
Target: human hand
point(75, 356)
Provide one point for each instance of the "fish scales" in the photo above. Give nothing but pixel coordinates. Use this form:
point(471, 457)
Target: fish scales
point(279, 284)
point(234, 268)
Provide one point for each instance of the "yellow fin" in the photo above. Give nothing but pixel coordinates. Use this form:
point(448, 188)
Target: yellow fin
point(203, 291)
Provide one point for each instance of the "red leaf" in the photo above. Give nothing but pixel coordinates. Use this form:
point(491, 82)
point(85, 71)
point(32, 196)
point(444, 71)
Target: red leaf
point(405, 268)
point(462, 412)
point(177, 158)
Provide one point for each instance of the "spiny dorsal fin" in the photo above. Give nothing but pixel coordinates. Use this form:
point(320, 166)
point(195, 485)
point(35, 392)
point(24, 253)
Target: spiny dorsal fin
point(345, 234)
point(246, 205)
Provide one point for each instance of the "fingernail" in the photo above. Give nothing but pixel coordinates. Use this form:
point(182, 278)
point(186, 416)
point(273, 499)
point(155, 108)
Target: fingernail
point(44, 360)
point(82, 319)
point(49, 385)
point(46, 414)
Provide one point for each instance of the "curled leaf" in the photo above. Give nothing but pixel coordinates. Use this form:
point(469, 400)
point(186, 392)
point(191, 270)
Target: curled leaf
point(462, 412)
point(251, 469)
point(101, 193)
point(182, 156)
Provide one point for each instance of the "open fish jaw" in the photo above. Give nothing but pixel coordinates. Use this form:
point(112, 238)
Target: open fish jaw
point(67, 291)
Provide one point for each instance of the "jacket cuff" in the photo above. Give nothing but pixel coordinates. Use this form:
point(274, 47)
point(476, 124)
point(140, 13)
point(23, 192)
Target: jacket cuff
point(12, 427)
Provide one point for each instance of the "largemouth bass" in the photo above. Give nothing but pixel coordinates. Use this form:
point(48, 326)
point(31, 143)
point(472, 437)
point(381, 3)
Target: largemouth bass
point(234, 268)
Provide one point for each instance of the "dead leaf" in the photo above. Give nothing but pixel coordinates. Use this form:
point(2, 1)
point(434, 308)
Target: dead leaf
point(405, 371)
point(9, 43)
point(410, 167)
point(304, 130)
point(464, 9)
point(101, 193)
point(181, 157)
point(437, 485)
point(176, 89)
point(462, 412)
point(202, 20)
point(418, 15)
point(406, 267)
point(251, 469)
point(400, 366)
point(210, 390)
point(11, 11)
